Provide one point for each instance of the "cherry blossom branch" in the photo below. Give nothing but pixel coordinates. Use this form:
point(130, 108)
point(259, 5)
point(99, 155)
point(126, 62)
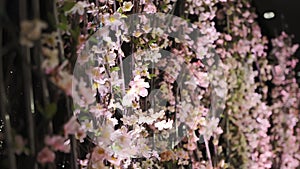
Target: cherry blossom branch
point(120, 58)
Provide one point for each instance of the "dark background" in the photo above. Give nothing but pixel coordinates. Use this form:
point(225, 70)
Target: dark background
point(287, 17)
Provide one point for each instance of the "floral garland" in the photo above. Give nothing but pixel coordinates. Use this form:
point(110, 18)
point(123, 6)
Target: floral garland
point(116, 145)
point(246, 137)
point(285, 104)
point(242, 46)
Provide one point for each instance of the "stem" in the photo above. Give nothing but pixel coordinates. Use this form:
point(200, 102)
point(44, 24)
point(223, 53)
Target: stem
point(115, 6)
point(61, 48)
point(132, 63)
point(153, 99)
point(74, 155)
point(207, 151)
point(38, 57)
point(227, 140)
point(228, 24)
point(120, 60)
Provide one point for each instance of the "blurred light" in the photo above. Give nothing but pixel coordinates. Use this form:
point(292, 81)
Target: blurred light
point(269, 15)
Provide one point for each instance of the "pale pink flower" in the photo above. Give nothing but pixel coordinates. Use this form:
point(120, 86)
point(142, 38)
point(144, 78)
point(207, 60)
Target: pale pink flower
point(71, 126)
point(127, 6)
point(182, 154)
point(112, 20)
point(99, 111)
point(31, 31)
point(80, 134)
point(79, 8)
point(46, 156)
point(190, 146)
point(150, 8)
point(114, 161)
point(227, 37)
point(99, 154)
point(97, 74)
point(122, 139)
point(139, 86)
point(51, 60)
point(19, 144)
point(164, 124)
point(64, 81)
point(87, 125)
point(58, 143)
point(84, 163)
point(105, 134)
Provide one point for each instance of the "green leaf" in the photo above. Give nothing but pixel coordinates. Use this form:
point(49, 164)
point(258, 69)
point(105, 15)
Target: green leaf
point(114, 69)
point(75, 32)
point(82, 118)
point(50, 110)
point(39, 108)
point(152, 75)
point(152, 41)
point(51, 20)
point(63, 19)
point(120, 10)
point(68, 5)
point(117, 88)
point(93, 39)
point(62, 26)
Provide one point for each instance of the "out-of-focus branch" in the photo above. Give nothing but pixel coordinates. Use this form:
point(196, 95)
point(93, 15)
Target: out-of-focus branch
point(74, 155)
point(3, 103)
point(28, 88)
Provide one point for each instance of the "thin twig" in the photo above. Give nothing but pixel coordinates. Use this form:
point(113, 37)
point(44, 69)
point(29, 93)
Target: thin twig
point(120, 59)
point(207, 151)
point(61, 47)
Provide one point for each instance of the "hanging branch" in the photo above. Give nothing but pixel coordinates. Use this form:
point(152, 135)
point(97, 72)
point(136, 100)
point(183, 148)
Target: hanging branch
point(37, 55)
point(74, 25)
point(38, 58)
point(28, 89)
point(120, 60)
point(61, 47)
point(74, 155)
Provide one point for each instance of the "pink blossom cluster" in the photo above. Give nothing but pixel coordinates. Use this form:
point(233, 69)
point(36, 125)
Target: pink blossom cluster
point(242, 45)
point(285, 98)
point(242, 140)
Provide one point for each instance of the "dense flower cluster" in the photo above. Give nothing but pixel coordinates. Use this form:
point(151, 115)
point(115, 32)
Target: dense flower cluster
point(285, 98)
point(243, 46)
point(202, 103)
